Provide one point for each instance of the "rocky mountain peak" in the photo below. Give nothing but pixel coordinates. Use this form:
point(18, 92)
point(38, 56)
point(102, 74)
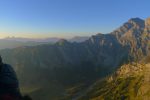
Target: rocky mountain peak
point(132, 27)
point(136, 20)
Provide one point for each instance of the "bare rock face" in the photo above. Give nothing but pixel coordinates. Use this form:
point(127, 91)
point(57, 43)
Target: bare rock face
point(147, 25)
point(147, 22)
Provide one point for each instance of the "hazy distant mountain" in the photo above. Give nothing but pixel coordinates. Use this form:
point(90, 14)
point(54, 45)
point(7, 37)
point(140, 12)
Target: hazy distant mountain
point(52, 40)
point(13, 42)
point(65, 69)
point(8, 44)
point(78, 39)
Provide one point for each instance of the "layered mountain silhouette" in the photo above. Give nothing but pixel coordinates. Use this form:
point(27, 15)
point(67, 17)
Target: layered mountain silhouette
point(13, 42)
point(65, 70)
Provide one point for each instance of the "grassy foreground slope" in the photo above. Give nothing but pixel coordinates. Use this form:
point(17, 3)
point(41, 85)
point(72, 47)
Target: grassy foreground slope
point(130, 82)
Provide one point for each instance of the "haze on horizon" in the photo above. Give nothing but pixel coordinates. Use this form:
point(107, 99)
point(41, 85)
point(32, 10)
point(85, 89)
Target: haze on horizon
point(66, 18)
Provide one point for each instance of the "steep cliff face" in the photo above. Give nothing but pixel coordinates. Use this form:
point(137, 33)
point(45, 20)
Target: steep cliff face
point(147, 24)
point(135, 36)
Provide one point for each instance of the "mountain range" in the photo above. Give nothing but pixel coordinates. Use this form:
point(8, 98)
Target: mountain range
point(97, 68)
point(13, 42)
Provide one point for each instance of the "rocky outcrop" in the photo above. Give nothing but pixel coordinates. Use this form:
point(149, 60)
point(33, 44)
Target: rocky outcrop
point(129, 82)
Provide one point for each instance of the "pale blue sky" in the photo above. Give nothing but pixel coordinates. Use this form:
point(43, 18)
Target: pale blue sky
point(65, 18)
